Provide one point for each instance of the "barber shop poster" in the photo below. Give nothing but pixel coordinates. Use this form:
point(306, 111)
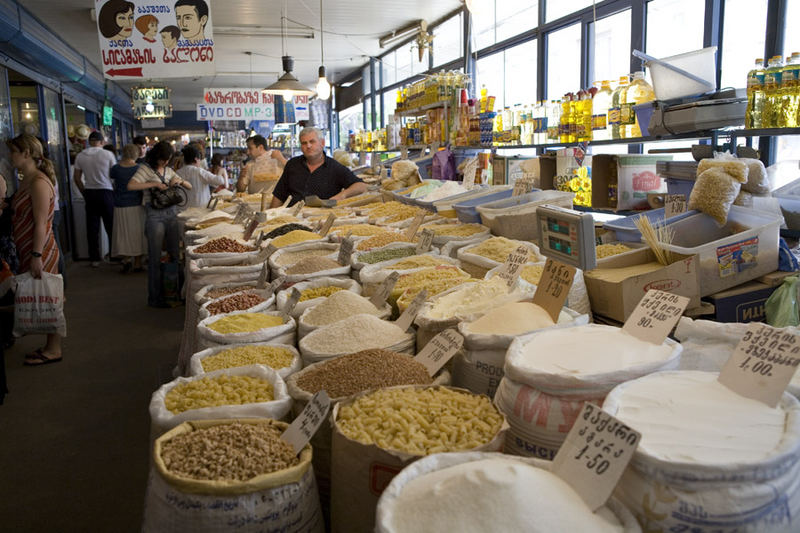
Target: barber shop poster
point(146, 39)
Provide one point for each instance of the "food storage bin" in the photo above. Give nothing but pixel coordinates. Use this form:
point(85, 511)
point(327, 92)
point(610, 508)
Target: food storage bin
point(745, 248)
point(515, 217)
point(669, 84)
point(625, 228)
point(680, 186)
point(789, 198)
point(444, 207)
point(467, 210)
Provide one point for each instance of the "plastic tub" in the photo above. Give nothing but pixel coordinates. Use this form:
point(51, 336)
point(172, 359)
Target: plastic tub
point(745, 248)
point(789, 198)
point(680, 186)
point(444, 207)
point(515, 217)
point(669, 84)
point(625, 228)
point(467, 210)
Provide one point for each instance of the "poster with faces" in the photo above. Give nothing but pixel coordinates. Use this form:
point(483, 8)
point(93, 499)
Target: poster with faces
point(144, 39)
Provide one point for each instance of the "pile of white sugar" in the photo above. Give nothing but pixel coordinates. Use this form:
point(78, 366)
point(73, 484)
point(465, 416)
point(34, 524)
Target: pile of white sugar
point(690, 417)
point(353, 334)
point(495, 495)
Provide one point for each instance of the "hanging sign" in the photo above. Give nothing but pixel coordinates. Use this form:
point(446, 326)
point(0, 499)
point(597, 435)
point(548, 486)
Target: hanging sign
point(301, 111)
point(108, 115)
point(151, 102)
point(236, 104)
point(155, 38)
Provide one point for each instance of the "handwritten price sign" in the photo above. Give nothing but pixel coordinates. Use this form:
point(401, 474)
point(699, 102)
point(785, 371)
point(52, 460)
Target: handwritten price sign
point(510, 270)
point(300, 431)
point(553, 288)
point(655, 316)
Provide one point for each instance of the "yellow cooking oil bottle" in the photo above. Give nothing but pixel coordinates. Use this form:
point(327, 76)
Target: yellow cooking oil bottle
point(772, 96)
point(639, 92)
point(790, 92)
point(755, 96)
point(614, 111)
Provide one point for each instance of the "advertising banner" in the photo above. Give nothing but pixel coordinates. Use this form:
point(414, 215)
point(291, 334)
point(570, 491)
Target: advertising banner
point(146, 39)
point(236, 104)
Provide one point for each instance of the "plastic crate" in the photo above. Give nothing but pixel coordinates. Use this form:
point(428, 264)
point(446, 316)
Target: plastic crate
point(680, 186)
point(625, 228)
point(745, 248)
point(444, 207)
point(467, 210)
point(515, 217)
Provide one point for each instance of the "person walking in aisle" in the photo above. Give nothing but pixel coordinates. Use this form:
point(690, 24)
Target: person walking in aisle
point(128, 239)
point(161, 225)
point(141, 142)
point(263, 169)
point(218, 169)
point(34, 205)
point(92, 177)
point(200, 179)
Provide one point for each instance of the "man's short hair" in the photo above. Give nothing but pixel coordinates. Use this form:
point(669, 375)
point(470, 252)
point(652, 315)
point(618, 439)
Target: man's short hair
point(96, 136)
point(172, 30)
point(190, 154)
point(310, 130)
point(130, 151)
point(258, 140)
point(199, 5)
point(140, 140)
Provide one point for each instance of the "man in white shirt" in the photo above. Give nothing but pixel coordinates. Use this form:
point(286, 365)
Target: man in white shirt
point(201, 180)
point(92, 177)
point(264, 168)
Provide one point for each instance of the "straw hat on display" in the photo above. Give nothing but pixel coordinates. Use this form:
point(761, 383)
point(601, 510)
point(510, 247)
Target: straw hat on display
point(82, 131)
point(71, 130)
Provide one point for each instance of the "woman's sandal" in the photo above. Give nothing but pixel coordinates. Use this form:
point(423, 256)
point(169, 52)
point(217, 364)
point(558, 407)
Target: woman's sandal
point(38, 357)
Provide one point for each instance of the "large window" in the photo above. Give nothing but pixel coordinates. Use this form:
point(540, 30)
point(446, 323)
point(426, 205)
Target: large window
point(791, 38)
point(350, 120)
point(389, 67)
point(448, 42)
point(509, 76)
point(405, 61)
point(506, 18)
point(563, 61)
point(612, 46)
point(389, 104)
point(674, 27)
point(490, 76)
point(555, 9)
point(744, 29)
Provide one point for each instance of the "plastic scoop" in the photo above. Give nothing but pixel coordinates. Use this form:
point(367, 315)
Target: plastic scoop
point(651, 59)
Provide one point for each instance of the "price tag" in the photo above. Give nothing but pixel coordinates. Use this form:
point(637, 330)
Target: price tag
point(551, 293)
point(408, 316)
point(655, 316)
point(327, 225)
point(260, 239)
point(240, 214)
point(522, 186)
point(298, 207)
point(300, 431)
point(763, 363)
point(208, 204)
point(594, 455)
point(469, 173)
point(425, 241)
point(346, 251)
point(262, 278)
point(385, 289)
point(264, 196)
point(510, 270)
point(674, 204)
point(415, 224)
point(214, 203)
point(286, 203)
point(275, 285)
point(250, 228)
point(440, 350)
point(291, 303)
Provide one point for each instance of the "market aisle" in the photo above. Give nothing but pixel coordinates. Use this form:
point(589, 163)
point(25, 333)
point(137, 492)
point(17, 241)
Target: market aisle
point(74, 435)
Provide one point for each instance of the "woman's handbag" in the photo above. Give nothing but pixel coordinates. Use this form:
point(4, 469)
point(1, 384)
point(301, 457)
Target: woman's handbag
point(167, 198)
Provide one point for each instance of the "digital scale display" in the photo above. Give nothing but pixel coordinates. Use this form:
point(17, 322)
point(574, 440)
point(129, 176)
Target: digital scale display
point(567, 236)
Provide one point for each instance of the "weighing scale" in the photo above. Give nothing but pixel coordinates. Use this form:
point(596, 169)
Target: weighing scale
point(567, 236)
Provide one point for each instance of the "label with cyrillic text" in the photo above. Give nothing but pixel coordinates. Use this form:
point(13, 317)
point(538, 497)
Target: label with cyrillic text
point(594, 455)
point(408, 316)
point(346, 251)
point(380, 296)
point(425, 241)
point(553, 288)
point(440, 350)
point(655, 316)
point(763, 363)
point(674, 204)
point(302, 428)
point(326, 227)
point(415, 224)
point(511, 269)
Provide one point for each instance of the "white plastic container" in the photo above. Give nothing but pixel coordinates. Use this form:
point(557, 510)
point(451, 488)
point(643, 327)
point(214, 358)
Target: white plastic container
point(669, 84)
point(789, 198)
point(745, 248)
point(515, 217)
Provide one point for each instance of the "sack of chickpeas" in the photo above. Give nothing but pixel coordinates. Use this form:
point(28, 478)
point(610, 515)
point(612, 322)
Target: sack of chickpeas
point(244, 326)
point(377, 433)
point(247, 391)
point(230, 475)
point(222, 251)
point(282, 358)
point(251, 300)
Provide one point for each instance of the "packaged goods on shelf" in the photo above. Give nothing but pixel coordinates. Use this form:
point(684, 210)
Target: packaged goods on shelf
point(717, 186)
point(284, 359)
point(354, 333)
point(710, 457)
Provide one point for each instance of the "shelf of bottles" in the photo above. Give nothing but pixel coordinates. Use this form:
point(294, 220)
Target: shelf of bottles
point(773, 95)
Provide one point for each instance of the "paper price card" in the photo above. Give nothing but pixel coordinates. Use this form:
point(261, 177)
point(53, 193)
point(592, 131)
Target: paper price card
point(655, 316)
point(510, 270)
point(469, 173)
point(264, 196)
point(425, 241)
point(415, 224)
point(300, 431)
point(553, 288)
point(385, 289)
point(298, 207)
point(763, 363)
point(250, 228)
point(241, 213)
point(285, 204)
point(291, 303)
point(408, 316)
point(262, 278)
point(522, 186)
point(674, 204)
point(346, 251)
point(275, 285)
point(327, 225)
point(214, 203)
point(440, 350)
point(260, 239)
point(594, 455)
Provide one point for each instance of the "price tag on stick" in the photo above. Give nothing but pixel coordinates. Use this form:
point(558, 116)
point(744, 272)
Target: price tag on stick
point(522, 186)
point(214, 203)
point(469, 173)
point(264, 196)
point(385, 289)
point(553, 288)
point(425, 241)
point(655, 316)
point(250, 228)
point(300, 431)
point(327, 225)
point(346, 251)
point(260, 239)
point(298, 207)
point(291, 303)
point(510, 270)
point(440, 350)
point(674, 204)
point(763, 363)
point(285, 204)
point(276, 284)
point(208, 204)
point(414, 227)
point(594, 455)
point(408, 316)
point(262, 278)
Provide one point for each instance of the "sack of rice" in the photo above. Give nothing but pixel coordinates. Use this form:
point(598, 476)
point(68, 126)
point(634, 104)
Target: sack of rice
point(478, 259)
point(338, 306)
point(315, 291)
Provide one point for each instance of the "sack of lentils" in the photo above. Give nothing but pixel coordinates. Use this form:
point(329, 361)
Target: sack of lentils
point(218, 475)
point(253, 300)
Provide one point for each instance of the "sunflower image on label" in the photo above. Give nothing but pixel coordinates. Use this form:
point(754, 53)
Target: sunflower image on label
point(737, 257)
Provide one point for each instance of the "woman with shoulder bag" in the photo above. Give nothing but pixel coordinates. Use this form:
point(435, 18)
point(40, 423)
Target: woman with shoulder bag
point(155, 178)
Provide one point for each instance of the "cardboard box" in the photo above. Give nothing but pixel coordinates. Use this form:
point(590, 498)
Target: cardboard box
point(744, 303)
point(617, 299)
point(633, 176)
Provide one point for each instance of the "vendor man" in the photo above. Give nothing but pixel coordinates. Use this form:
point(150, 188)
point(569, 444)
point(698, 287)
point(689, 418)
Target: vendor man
point(264, 168)
point(314, 173)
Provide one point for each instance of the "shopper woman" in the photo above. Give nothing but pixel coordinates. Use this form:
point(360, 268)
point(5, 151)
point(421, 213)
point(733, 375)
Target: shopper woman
point(161, 225)
point(33, 205)
point(218, 169)
point(200, 179)
point(127, 239)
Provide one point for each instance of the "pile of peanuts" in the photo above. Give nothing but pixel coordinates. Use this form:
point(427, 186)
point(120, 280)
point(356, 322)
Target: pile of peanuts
point(223, 245)
point(224, 291)
point(237, 302)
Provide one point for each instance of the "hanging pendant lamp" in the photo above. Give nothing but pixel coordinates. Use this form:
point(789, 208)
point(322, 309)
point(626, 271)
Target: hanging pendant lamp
point(287, 85)
point(323, 87)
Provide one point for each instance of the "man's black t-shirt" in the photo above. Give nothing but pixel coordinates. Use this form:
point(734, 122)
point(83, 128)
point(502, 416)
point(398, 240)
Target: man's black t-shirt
point(326, 181)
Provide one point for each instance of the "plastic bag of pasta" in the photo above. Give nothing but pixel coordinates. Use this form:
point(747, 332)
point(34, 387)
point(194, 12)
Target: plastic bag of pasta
point(716, 189)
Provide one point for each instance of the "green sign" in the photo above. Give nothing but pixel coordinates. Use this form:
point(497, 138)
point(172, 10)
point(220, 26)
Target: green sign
point(108, 115)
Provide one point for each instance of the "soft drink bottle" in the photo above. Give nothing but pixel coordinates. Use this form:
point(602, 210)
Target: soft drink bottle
point(563, 127)
point(755, 96)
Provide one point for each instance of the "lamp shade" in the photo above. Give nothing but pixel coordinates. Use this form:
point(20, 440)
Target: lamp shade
point(288, 85)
